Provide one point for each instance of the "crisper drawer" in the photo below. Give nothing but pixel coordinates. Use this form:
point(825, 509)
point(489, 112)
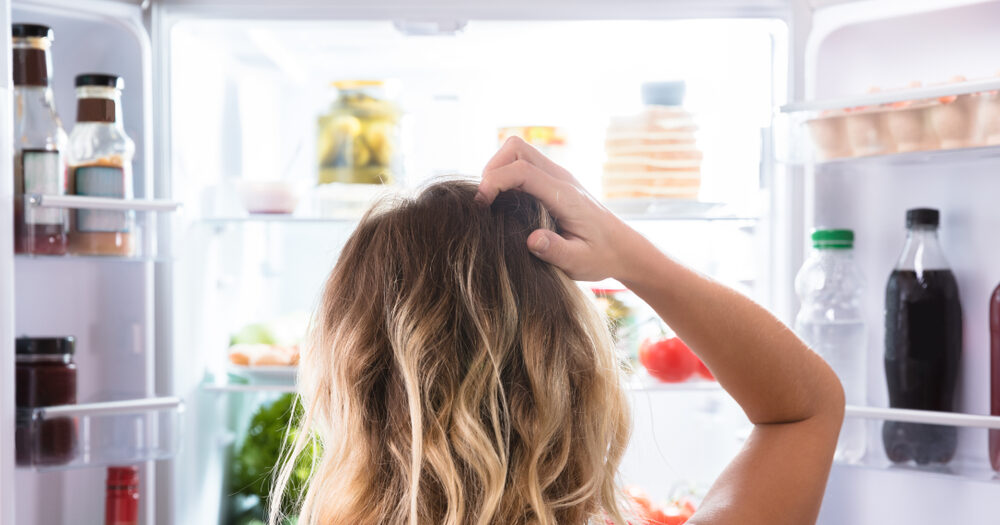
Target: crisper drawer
point(98, 434)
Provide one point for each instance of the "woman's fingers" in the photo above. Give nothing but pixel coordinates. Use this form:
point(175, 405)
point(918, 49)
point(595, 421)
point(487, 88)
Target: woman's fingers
point(515, 148)
point(556, 195)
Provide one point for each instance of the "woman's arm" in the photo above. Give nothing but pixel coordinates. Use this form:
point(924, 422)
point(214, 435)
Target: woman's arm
point(793, 398)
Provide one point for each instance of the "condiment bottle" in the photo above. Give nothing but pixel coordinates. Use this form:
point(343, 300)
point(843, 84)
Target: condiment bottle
point(39, 144)
point(45, 375)
point(121, 505)
point(101, 166)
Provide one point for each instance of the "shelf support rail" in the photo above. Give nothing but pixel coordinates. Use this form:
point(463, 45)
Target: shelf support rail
point(930, 417)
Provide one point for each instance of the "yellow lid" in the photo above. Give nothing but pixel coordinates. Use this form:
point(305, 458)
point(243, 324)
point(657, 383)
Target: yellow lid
point(355, 84)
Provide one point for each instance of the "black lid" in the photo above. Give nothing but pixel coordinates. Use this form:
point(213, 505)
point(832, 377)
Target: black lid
point(31, 30)
point(45, 345)
point(922, 217)
point(100, 79)
point(663, 93)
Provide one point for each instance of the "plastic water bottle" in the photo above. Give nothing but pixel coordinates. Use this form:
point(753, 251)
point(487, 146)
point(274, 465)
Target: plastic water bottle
point(829, 286)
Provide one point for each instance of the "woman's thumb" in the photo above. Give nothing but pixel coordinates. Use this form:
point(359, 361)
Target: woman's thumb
point(550, 247)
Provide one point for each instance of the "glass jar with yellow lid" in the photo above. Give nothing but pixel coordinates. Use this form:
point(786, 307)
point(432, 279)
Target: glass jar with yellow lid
point(358, 139)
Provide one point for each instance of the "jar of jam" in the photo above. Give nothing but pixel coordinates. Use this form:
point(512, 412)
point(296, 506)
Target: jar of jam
point(45, 376)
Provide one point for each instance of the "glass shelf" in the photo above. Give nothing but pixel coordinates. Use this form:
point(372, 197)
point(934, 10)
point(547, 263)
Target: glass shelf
point(98, 434)
point(236, 388)
point(278, 218)
point(942, 156)
point(644, 384)
point(970, 460)
point(92, 258)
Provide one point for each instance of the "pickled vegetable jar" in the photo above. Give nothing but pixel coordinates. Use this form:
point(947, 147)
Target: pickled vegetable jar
point(358, 139)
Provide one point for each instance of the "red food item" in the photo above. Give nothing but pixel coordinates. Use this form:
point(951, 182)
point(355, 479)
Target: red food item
point(703, 371)
point(640, 499)
point(669, 360)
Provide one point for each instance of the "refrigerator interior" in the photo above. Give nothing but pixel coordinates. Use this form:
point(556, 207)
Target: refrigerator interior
point(245, 96)
point(852, 50)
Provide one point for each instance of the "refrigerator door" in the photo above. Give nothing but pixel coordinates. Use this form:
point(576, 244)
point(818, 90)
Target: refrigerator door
point(885, 48)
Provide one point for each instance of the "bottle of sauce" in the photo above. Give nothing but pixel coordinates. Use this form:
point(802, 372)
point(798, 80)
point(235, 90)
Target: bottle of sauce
point(101, 166)
point(45, 375)
point(121, 505)
point(39, 144)
point(923, 343)
point(995, 375)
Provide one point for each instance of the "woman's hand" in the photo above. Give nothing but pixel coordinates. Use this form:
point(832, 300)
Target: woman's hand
point(593, 239)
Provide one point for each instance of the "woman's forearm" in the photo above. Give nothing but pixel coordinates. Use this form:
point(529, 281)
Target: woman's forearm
point(772, 375)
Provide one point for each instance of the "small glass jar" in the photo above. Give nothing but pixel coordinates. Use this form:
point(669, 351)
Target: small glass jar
point(39, 144)
point(100, 164)
point(45, 375)
point(358, 139)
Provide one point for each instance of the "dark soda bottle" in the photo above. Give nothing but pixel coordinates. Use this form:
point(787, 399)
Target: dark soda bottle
point(995, 375)
point(923, 343)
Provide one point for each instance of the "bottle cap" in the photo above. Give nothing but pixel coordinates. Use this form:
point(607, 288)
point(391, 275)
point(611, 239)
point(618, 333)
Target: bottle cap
point(31, 30)
point(922, 217)
point(833, 239)
point(123, 476)
point(100, 79)
point(45, 345)
point(663, 93)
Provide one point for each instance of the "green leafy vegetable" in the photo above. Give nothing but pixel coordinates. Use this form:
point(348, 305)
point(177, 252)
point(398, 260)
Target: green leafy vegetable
point(256, 462)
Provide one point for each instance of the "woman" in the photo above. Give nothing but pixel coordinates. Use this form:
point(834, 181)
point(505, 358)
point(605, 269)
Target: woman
point(457, 375)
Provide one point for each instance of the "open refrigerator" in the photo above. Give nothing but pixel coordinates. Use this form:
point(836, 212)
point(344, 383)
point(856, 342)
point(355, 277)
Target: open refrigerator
point(221, 95)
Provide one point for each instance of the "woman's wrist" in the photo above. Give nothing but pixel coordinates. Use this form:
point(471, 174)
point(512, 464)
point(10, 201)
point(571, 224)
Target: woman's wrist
point(637, 259)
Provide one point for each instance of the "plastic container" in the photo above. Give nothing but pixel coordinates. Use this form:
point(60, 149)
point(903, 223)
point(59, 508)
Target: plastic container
point(831, 321)
point(269, 197)
point(358, 139)
point(958, 114)
point(101, 166)
point(923, 343)
point(39, 144)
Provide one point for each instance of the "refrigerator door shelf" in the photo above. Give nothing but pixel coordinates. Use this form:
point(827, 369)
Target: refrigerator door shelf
point(101, 203)
point(966, 434)
point(99, 434)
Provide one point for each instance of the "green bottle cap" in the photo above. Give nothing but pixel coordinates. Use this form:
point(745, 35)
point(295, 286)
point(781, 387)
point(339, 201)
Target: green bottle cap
point(833, 239)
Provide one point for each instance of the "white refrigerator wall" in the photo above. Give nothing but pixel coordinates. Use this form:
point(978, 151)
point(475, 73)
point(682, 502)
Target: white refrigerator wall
point(872, 196)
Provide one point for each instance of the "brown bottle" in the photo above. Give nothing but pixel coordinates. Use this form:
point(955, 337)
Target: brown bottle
point(39, 144)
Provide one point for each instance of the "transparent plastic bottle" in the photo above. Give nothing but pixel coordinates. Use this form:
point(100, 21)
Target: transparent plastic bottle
point(831, 322)
point(39, 144)
point(923, 343)
point(100, 161)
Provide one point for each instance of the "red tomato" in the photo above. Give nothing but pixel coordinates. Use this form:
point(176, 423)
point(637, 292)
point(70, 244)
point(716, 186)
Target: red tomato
point(641, 500)
point(703, 371)
point(668, 360)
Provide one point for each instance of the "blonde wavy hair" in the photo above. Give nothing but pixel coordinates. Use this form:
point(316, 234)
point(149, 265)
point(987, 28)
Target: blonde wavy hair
point(453, 378)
